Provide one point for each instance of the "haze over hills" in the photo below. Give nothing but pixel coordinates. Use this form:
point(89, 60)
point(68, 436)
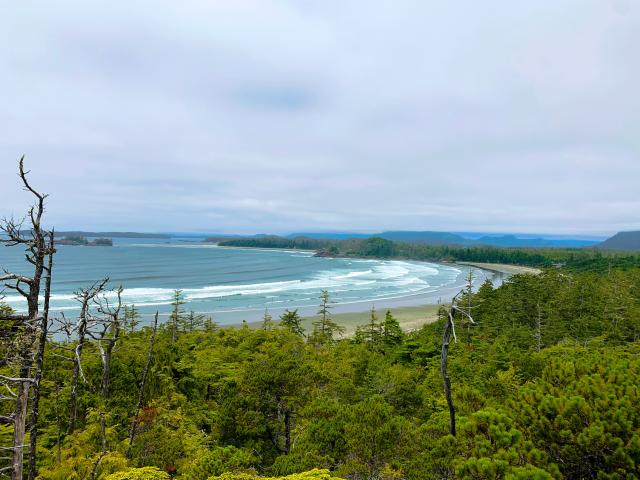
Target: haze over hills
point(620, 241)
point(448, 238)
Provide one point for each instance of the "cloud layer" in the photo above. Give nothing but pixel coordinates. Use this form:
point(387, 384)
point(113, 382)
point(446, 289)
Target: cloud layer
point(259, 115)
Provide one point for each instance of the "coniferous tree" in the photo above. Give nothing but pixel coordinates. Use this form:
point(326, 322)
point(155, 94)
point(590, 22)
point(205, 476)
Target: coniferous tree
point(267, 320)
point(291, 320)
point(371, 333)
point(392, 334)
point(131, 317)
point(324, 328)
point(176, 317)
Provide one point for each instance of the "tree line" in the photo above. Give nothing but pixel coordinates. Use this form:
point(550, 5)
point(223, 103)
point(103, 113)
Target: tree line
point(572, 259)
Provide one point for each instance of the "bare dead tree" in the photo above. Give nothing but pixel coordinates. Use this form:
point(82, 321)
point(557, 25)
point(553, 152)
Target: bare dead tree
point(20, 331)
point(143, 380)
point(450, 333)
point(42, 343)
point(107, 334)
point(85, 297)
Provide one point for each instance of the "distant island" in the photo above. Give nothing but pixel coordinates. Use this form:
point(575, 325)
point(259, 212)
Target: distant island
point(80, 233)
point(79, 240)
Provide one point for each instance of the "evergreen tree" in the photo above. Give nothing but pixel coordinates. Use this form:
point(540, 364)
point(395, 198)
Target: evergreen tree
point(176, 317)
point(194, 321)
point(267, 320)
point(371, 333)
point(324, 328)
point(392, 334)
point(291, 320)
point(131, 317)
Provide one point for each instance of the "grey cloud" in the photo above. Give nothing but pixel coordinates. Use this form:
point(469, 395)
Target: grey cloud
point(284, 115)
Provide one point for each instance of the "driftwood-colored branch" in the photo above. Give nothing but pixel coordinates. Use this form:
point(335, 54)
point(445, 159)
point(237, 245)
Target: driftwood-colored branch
point(85, 297)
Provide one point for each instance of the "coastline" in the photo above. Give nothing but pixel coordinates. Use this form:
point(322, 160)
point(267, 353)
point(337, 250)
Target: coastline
point(412, 310)
point(410, 318)
point(504, 268)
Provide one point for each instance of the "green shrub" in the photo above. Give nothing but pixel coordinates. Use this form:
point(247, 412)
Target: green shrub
point(310, 475)
point(144, 473)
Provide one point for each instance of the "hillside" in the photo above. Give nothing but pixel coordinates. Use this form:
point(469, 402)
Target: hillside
point(456, 239)
point(427, 238)
point(622, 241)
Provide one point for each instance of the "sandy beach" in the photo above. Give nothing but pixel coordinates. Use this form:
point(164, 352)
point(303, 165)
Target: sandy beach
point(504, 268)
point(410, 318)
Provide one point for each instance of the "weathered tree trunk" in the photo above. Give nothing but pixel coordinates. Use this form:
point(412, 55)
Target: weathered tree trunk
point(84, 296)
point(75, 376)
point(143, 381)
point(42, 342)
point(24, 327)
point(448, 334)
point(446, 338)
point(19, 428)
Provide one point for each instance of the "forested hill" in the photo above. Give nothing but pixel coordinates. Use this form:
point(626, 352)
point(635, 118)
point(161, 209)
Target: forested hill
point(622, 241)
point(570, 259)
point(434, 238)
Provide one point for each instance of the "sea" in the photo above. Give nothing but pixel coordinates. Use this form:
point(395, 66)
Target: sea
point(236, 284)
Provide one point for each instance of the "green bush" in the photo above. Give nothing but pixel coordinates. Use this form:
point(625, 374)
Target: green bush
point(145, 473)
point(310, 475)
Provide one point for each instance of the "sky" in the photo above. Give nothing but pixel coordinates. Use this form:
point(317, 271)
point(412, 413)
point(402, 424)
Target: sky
point(253, 116)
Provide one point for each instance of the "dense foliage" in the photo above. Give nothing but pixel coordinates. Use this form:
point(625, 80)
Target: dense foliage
point(546, 386)
point(574, 259)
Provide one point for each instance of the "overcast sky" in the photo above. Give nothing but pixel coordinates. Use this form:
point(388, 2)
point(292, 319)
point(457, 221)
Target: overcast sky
point(276, 116)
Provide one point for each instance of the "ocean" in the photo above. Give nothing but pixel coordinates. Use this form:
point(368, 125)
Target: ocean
point(235, 284)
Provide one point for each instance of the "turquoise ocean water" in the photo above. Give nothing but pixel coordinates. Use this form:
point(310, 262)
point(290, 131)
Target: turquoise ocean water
point(234, 284)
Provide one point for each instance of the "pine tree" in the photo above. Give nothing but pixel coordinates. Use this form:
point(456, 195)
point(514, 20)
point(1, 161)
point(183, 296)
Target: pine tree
point(371, 333)
point(291, 320)
point(267, 320)
point(131, 317)
point(175, 319)
point(325, 328)
point(392, 334)
point(194, 321)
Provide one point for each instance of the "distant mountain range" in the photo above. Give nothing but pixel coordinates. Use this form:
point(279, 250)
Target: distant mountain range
point(448, 238)
point(622, 241)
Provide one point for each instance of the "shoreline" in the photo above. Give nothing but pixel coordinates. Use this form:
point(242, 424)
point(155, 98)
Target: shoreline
point(410, 318)
point(411, 307)
point(415, 308)
point(504, 268)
